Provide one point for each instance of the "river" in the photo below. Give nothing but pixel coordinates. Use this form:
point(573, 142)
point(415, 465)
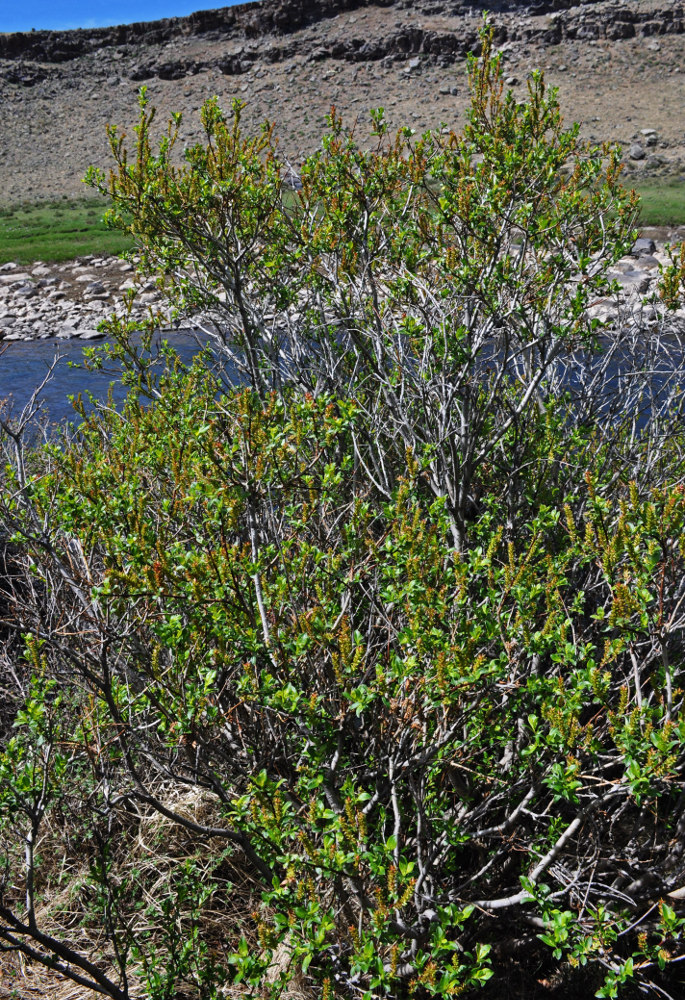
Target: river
point(24, 364)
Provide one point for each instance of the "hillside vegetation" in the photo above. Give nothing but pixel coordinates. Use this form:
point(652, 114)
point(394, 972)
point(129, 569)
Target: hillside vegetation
point(362, 678)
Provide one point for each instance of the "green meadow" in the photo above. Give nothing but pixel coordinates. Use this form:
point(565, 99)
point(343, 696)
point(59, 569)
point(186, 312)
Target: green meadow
point(62, 230)
point(56, 231)
point(662, 201)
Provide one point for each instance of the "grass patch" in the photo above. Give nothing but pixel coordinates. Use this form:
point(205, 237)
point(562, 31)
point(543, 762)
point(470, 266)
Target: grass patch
point(662, 201)
point(57, 231)
point(62, 230)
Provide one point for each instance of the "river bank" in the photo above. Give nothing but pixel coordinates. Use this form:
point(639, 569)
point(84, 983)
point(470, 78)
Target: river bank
point(68, 301)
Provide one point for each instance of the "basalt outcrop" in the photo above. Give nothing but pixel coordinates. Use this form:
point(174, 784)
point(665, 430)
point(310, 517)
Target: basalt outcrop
point(266, 26)
point(618, 64)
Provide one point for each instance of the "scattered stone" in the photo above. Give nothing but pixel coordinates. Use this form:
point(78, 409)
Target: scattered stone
point(642, 247)
point(603, 309)
point(649, 314)
point(633, 281)
point(636, 152)
point(68, 300)
point(11, 278)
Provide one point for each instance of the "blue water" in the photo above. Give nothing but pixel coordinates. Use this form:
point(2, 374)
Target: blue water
point(24, 364)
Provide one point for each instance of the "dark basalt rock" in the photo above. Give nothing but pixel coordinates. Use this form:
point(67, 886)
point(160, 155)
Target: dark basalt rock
point(283, 17)
point(262, 24)
point(23, 75)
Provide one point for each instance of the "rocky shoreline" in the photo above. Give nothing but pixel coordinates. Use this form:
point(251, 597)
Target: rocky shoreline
point(69, 301)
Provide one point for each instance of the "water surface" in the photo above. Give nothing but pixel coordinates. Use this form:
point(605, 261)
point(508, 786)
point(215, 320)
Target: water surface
point(24, 365)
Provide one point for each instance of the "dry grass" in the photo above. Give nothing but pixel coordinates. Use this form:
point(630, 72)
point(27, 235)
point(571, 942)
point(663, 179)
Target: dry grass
point(23, 980)
point(152, 850)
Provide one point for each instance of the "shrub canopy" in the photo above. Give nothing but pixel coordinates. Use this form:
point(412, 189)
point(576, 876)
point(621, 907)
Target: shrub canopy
point(363, 675)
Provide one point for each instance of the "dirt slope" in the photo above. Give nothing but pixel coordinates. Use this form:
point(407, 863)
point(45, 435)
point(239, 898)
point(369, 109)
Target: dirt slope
point(619, 65)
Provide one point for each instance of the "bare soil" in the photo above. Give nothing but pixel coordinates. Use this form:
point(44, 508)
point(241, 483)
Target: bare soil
point(54, 113)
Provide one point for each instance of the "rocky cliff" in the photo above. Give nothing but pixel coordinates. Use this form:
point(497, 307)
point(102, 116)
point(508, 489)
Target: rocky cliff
point(264, 25)
point(248, 21)
point(617, 63)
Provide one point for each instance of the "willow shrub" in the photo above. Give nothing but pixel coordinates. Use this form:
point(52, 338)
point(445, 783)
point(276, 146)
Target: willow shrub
point(418, 760)
point(444, 281)
point(365, 677)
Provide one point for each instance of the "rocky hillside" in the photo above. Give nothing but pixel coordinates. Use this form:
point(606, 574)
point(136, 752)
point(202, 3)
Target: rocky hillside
point(618, 63)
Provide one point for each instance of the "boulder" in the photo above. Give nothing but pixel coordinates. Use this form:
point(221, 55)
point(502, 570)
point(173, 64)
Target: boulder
point(634, 281)
point(14, 277)
point(643, 247)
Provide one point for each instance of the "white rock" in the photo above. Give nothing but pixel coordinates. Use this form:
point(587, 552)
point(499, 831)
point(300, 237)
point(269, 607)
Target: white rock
point(14, 276)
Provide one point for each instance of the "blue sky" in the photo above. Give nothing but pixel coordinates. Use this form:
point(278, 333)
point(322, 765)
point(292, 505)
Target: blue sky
point(54, 14)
